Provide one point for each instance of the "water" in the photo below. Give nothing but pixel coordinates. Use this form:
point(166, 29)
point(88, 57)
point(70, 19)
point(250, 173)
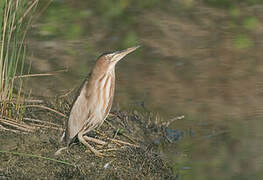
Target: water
point(201, 59)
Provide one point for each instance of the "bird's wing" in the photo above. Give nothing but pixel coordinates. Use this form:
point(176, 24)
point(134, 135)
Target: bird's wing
point(79, 114)
point(109, 103)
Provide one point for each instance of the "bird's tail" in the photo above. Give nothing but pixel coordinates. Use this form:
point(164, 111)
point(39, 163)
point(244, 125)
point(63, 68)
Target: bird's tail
point(65, 139)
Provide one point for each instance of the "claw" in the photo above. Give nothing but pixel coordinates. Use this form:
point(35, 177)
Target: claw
point(92, 149)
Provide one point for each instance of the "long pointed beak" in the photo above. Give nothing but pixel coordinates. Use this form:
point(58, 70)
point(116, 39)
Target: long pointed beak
point(120, 54)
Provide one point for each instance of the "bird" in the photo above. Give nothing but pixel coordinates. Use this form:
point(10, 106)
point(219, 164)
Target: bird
point(93, 103)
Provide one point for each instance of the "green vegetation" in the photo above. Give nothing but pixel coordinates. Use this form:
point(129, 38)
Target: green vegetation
point(15, 18)
point(228, 3)
point(115, 16)
point(219, 3)
point(234, 12)
point(242, 26)
point(251, 23)
point(242, 41)
point(59, 19)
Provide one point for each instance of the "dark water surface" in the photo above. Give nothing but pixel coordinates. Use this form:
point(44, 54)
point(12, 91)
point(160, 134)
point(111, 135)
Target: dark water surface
point(200, 59)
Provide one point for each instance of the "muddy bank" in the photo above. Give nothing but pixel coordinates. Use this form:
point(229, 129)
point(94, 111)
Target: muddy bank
point(124, 162)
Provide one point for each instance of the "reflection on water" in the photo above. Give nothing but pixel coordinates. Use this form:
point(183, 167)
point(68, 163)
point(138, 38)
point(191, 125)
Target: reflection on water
point(201, 59)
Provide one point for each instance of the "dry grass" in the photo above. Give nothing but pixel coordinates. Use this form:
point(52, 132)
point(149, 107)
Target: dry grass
point(127, 135)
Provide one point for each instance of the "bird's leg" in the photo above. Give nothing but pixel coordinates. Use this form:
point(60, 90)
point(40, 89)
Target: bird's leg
point(83, 141)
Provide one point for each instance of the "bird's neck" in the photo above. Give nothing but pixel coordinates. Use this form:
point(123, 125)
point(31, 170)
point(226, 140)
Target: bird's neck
point(100, 78)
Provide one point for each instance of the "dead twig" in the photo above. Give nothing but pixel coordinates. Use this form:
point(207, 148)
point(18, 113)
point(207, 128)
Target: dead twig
point(128, 137)
point(16, 125)
point(67, 93)
point(125, 135)
point(24, 100)
point(110, 124)
point(41, 74)
point(47, 108)
point(166, 124)
point(47, 127)
point(7, 129)
point(40, 121)
point(33, 101)
point(33, 75)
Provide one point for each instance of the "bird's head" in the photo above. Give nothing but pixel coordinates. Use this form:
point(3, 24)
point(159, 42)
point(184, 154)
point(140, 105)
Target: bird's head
point(107, 61)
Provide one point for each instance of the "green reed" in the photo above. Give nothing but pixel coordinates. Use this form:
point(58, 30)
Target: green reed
point(15, 19)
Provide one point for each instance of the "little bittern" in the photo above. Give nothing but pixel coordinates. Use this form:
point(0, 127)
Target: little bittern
point(94, 101)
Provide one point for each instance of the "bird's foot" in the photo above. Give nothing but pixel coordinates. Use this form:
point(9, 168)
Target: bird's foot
point(83, 140)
